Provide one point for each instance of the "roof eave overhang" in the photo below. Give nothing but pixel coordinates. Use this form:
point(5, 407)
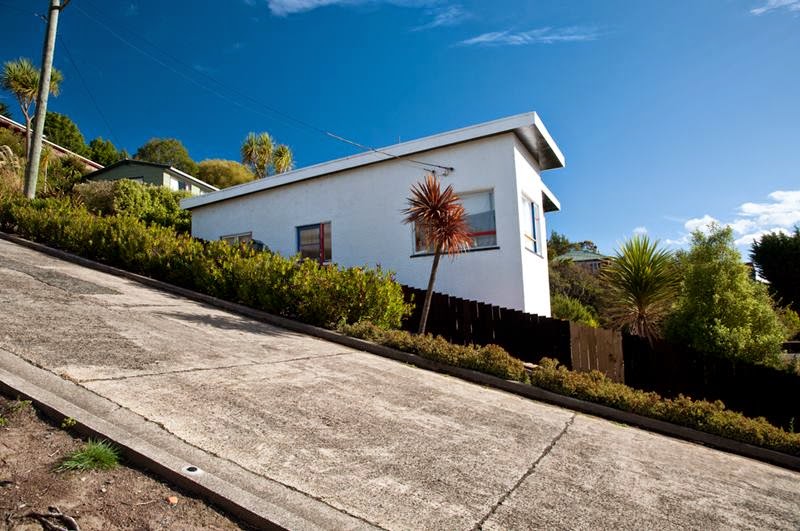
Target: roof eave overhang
point(539, 142)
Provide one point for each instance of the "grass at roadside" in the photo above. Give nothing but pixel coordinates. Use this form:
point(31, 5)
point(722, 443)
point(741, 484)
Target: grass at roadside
point(120, 498)
point(94, 455)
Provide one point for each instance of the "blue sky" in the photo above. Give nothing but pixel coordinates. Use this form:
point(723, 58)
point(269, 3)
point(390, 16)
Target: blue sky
point(670, 114)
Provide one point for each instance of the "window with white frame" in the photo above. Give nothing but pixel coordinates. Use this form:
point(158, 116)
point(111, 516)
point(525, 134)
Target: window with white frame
point(479, 207)
point(314, 242)
point(532, 235)
point(236, 239)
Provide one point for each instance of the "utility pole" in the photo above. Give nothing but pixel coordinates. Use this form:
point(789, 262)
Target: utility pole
point(32, 169)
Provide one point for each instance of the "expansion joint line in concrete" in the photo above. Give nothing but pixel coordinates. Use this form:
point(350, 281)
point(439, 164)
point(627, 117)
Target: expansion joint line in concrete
point(201, 369)
point(527, 473)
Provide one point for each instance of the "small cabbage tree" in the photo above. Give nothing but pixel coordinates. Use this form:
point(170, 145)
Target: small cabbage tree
point(441, 219)
point(642, 282)
point(21, 78)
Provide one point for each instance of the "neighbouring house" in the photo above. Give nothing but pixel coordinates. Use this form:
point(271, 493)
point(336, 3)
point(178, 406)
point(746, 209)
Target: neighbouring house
point(152, 173)
point(58, 151)
point(349, 211)
point(586, 259)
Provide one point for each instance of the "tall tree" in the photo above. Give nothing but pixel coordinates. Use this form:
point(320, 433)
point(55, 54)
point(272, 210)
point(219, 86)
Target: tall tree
point(21, 79)
point(777, 259)
point(167, 151)
point(223, 173)
point(282, 159)
point(61, 130)
point(642, 282)
point(721, 309)
point(263, 157)
point(105, 152)
point(257, 152)
point(442, 220)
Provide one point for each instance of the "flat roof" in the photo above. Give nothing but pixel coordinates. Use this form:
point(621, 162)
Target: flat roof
point(527, 126)
point(134, 162)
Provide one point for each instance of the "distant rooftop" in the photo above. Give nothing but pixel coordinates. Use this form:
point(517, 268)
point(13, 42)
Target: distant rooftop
point(8, 123)
point(582, 256)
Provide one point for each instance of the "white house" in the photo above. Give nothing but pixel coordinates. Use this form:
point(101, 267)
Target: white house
point(349, 211)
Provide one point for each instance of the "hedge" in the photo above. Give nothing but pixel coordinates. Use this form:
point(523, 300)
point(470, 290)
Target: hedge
point(710, 417)
point(490, 359)
point(322, 295)
point(151, 204)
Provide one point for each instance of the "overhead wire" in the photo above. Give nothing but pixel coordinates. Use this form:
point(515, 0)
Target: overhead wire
point(283, 116)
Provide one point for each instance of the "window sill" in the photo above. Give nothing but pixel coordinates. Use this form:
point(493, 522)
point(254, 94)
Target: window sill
point(540, 255)
point(492, 248)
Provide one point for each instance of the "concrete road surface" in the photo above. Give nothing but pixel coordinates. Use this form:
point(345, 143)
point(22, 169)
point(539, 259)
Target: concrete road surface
point(386, 444)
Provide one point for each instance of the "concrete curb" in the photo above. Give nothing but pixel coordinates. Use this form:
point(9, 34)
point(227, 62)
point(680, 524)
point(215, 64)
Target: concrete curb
point(518, 388)
point(252, 499)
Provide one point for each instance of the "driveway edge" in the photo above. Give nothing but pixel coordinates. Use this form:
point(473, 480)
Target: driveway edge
point(517, 388)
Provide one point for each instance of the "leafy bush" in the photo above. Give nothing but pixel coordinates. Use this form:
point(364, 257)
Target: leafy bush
point(151, 204)
point(224, 173)
point(710, 417)
point(570, 309)
point(324, 295)
point(721, 310)
point(490, 359)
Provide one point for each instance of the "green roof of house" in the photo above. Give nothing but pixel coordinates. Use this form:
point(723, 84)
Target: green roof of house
point(582, 256)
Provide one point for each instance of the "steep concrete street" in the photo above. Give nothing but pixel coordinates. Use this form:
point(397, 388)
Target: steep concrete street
point(378, 442)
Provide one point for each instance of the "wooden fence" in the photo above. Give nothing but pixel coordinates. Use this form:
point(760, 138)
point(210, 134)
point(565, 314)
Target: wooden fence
point(525, 336)
point(596, 349)
point(754, 390)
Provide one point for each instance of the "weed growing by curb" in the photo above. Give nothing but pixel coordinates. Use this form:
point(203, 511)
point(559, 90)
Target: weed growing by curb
point(94, 455)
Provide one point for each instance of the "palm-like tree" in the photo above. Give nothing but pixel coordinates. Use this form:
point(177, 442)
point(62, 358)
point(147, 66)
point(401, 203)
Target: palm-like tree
point(257, 152)
point(643, 282)
point(282, 159)
point(21, 78)
point(442, 220)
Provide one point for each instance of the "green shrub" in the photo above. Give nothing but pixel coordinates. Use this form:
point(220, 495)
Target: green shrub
point(721, 310)
point(569, 309)
point(151, 204)
point(710, 417)
point(323, 295)
point(490, 359)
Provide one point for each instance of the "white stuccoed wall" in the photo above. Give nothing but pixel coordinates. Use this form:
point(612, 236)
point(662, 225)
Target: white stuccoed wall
point(364, 206)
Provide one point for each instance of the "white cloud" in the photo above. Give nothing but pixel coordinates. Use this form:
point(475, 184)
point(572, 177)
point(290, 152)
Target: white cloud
point(534, 36)
point(445, 16)
point(640, 230)
point(288, 7)
point(772, 5)
point(752, 220)
point(702, 224)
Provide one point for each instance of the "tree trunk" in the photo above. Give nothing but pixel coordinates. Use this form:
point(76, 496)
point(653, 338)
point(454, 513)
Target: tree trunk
point(426, 307)
point(27, 136)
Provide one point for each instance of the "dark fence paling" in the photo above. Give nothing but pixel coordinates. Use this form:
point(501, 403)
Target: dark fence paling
point(754, 390)
point(525, 336)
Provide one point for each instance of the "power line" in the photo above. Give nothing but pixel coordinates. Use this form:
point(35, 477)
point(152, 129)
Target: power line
point(287, 118)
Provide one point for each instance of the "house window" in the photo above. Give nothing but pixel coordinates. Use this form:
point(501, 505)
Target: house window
point(480, 218)
point(182, 186)
point(236, 239)
point(534, 242)
point(314, 242)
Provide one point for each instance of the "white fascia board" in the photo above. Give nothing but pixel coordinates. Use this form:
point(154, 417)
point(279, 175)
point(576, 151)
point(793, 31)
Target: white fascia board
point(193, 180)
point(522, 124)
